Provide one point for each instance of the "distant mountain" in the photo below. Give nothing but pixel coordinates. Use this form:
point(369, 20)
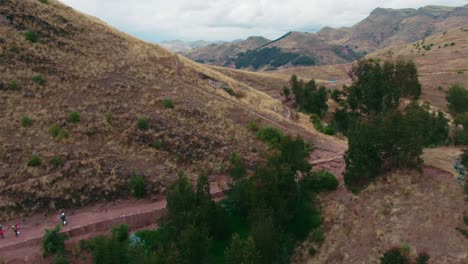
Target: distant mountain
point(220, 54)
point(181, 46)
point(382, 28)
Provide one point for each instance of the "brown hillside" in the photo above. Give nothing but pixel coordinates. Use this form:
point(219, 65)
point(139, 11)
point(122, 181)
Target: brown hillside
point(112, 80)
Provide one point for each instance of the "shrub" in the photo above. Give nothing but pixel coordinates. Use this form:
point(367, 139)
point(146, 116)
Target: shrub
point(167, 103)
point(57, 132)
point(156, 144)
point(31, 36)
point(142, 124)
point(53, 242)
point(312, 251)
point(320, 181)
point(26, 121)
point(252, 126)
point(109, 117)
point(270, 135)
point(39, 79)
point(44, 1)
point(394, 256)
point(317, 235)
point(74, 117)
point(120, 233)
point(440, 88)
point(35, 161)
point(423, 258)
point(56, 162)
point(14, 85)
point(137, 185)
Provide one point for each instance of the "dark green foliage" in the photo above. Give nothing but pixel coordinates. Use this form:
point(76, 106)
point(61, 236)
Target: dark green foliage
point(156, 144)
point(35, 161)
point(241, 251)
point(252, 126)
point(270, 135)
point(462, 134)
point(56, 162)
point(53, 242)
point(423, 258)
point(31, 36)
point(304, 61)
point(394, 256)
point(312, 251)
point(237, 168)
point(44, 1)
point(109, 251)
point(463, 232)
point(142, 124)
point(294, 154)
point(263, 57)
point(60, 259)
point(120, 232)
point(309, 98)
point(318, 125)
point(464, 158)
point(167, 103)
point(320, 181)
point(317, 235)
point(39, 79)
point(229, 90)
point(286, 92)
point(74, 117)
point(457, 98)
point(14, 85)
point(137, 185)
point(26, 121)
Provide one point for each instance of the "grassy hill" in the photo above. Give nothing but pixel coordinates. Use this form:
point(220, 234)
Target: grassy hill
point(83, 105)
point(383, 28)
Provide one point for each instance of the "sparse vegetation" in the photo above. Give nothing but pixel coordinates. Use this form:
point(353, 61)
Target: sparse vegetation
point(26, 121)
point(167, 103)
point(53, 242)
point(35, 161)
point(74, 117)
point(31, 36)
point(39, 79)
point(137, 185)
point(58, 132)
point(142, 124)
point(56, 162)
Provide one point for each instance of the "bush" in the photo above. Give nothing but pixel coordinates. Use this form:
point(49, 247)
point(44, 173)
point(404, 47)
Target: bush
point(57, 132)
point(167, 103)
point(137, 185)
point(56, 162)
point(74, 117)
point(39, 79)
point(142, 124)
point(35, 161)
point(252, 126)
point(26, 121)
point(312, 251)
point(156, 144)
point(44, 1)
point(270, 135)
point(394, 256)
point(457, 98)
point(120, 233)
point(31, 36)
point(14, 85)
point(317, 235)
point(53, 242)
point(320, 181)
point(423, 258)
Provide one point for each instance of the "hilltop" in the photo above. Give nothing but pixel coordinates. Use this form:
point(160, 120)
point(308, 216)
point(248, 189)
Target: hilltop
point(382, 28)
point(83, 105)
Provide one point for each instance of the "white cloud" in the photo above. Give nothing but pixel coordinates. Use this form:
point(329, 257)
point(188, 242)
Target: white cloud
point(156, 20)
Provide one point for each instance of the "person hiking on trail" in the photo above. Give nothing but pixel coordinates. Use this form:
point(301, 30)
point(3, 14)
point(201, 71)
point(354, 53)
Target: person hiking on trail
point(16, 230)
point(1, 231)
point(63, 217)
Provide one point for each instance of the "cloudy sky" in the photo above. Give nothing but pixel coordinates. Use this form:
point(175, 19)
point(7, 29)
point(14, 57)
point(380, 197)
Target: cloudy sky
point(160, 20)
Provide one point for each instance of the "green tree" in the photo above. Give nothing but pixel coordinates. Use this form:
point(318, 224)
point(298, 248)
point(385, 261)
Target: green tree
point(394, 256)
point(241, 251)
point(137, 185)
point(237, 168)
point(53, 242)
point(457, 98)
point(286, 92)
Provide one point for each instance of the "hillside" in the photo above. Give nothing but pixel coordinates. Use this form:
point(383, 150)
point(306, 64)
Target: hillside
point(221, 54)
point(383, 28)
point(58, 64)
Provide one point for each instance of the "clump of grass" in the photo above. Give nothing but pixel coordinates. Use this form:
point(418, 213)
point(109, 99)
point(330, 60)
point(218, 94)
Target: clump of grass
point(26, 121)
point(44, 1)
point(252, 126)
point(56, 162)
point(156, 144)
point(74, 117)
point(35, 161)
point(142, 124)
point(14, 85)
point(58, 132)
point(31, 36)
point(167, 103)
point(109, 117)
point(39, 79)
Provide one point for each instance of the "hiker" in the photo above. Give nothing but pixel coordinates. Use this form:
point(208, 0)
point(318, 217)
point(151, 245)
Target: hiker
point(63, 217)
point(16, 230)
point(1, 231)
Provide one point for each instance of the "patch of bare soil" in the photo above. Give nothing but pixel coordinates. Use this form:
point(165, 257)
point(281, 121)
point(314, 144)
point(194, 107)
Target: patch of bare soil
point(421, 211)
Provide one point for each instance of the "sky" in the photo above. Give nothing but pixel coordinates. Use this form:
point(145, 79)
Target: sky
point(212, 20)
